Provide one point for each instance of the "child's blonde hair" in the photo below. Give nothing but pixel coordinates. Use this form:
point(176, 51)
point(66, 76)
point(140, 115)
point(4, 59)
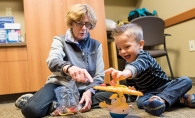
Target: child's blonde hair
point(131, 30)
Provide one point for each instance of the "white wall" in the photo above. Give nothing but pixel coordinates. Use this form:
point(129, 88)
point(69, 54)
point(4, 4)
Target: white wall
point(182, 60)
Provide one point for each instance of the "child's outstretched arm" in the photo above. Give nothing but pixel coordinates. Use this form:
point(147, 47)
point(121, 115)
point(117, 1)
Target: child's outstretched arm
point(118, 75)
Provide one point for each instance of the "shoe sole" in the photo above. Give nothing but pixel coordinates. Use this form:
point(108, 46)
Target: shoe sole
point(20, 98)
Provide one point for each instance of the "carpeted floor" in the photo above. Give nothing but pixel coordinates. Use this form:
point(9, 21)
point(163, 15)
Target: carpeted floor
point(8, 110)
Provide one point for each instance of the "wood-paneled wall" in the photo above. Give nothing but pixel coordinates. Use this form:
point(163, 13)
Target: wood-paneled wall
point(43, 20)
point(24, 69)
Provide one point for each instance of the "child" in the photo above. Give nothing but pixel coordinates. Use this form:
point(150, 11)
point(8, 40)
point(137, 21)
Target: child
point(144, 73)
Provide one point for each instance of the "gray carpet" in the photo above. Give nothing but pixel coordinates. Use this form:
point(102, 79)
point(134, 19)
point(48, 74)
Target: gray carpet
point(8, 110)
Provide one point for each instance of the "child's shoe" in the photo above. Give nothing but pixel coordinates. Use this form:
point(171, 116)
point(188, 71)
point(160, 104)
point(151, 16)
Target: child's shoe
point(188, 100)
point(154, 105)
point(21, 101)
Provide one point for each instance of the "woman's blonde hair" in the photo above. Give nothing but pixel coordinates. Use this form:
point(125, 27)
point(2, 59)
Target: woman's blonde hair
point(77, 12)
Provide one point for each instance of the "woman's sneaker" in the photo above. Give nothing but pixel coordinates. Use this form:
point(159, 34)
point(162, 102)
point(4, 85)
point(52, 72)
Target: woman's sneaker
point(21, 101)
point(54, 105)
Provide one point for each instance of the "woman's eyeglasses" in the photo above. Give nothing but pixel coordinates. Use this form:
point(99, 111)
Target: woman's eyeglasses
point(80, 24)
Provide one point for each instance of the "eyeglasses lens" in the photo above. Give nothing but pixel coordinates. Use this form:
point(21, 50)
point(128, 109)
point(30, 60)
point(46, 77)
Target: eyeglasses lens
point(87, 25)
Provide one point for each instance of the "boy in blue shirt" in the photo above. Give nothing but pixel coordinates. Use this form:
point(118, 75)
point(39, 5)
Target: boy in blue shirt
point(144, 73)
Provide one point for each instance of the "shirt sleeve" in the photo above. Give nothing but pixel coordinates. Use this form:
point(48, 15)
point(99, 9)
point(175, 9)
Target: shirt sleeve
point(55, 60)
point(132, 69)
point(141, 64)
point(92, 90)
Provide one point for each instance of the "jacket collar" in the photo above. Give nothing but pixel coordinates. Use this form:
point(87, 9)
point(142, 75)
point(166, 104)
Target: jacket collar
point(70, 38)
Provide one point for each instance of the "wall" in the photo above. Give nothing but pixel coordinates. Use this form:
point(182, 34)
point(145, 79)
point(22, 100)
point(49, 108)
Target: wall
point(17, 12)
point(23, 69)
point(182, 60)
point(117, 10)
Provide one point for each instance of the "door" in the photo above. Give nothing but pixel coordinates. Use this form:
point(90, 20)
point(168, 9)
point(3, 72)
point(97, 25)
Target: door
point(44, 19)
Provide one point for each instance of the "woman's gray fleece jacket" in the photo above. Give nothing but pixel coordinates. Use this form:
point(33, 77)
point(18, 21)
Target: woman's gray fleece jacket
point(86, 54)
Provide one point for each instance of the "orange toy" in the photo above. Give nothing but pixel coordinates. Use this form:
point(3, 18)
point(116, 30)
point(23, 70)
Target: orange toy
point(118, 107)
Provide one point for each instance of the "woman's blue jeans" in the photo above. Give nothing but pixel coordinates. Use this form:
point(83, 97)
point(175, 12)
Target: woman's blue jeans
point(39, 104)
point(170, 92)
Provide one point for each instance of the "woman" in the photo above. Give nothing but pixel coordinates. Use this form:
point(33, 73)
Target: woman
point(73, 56)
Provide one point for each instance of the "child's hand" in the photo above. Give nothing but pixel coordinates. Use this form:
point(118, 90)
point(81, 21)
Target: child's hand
point(117, 75)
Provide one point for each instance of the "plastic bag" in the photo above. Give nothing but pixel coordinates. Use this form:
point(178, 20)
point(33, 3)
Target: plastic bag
point(68, 98)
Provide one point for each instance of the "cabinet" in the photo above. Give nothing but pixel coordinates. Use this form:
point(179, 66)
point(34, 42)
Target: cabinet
point(44, 19)
point(13, 59)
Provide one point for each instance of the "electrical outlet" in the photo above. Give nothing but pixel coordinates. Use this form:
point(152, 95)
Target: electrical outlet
point(8, 11)
point(191, 45)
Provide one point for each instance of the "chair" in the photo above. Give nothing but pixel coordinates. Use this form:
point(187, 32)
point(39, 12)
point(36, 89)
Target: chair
point(153, 33)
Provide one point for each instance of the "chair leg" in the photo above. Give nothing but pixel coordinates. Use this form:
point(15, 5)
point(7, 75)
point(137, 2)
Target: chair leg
point(170, 66)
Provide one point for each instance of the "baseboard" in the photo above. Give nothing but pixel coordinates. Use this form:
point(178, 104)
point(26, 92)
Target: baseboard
point(193, 80)
point(8, 98)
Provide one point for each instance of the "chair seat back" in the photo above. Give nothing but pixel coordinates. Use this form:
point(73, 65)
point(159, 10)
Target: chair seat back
point(153, 29)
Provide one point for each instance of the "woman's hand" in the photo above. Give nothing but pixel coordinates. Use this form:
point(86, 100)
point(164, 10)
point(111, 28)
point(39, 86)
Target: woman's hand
point(118, 75)
point(86, 98)
point(78, 74)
